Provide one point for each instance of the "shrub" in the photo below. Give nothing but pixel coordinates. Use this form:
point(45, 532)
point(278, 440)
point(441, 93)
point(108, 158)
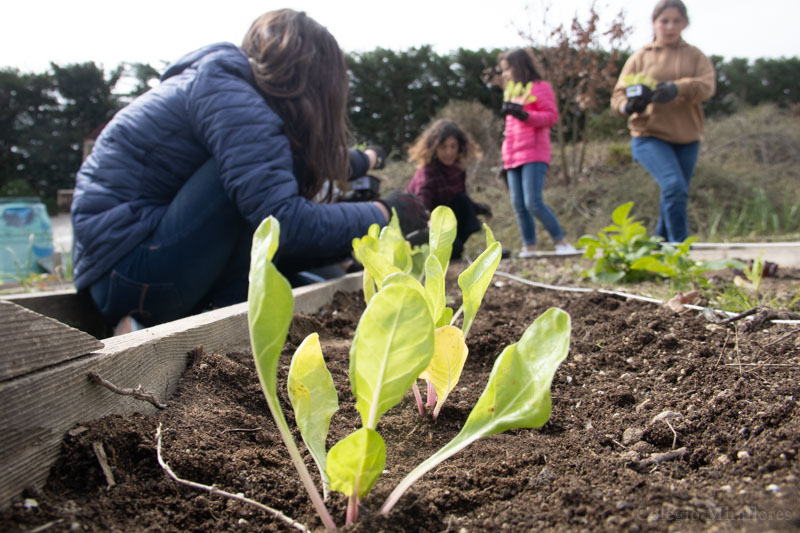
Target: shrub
point(619, 155)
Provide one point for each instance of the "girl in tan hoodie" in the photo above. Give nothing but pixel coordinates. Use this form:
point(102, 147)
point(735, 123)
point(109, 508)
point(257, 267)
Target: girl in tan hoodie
point(667, 123)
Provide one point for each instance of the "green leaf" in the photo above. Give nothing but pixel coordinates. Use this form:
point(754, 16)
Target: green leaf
point(442, 234)
point(435, 288)
point(449, 355)
point(270, 305)
point(377, 265)
point(409, 281)
point(392, 345)
point(313, 397)
point(489, 235)
point(518, 392)
point(368, 286)
point(620, 214)
point(355, 462)
point(475, 280)
point(516, 396)
point(651, 264)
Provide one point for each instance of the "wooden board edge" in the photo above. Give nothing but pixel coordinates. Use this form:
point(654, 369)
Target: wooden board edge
point(38, 409)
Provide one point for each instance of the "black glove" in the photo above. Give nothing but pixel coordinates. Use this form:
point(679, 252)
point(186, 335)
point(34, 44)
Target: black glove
point(410, 210)
point(638, 97)
point(665, 92)
point(635, 105)
point(482, 209)
point(515, 110)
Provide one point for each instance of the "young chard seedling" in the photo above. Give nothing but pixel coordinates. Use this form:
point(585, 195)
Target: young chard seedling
point(450, 351)
point(392, 345)
point(395, 342)
point(313, 397)
point(268, 320)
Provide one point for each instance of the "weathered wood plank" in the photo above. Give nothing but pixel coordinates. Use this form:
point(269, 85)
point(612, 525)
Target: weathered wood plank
point(32, 341)
point(66, 306)
point(784, 254)
point(39, 408)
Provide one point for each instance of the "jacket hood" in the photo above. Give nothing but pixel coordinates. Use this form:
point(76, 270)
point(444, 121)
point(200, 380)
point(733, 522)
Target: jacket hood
point(193, 57)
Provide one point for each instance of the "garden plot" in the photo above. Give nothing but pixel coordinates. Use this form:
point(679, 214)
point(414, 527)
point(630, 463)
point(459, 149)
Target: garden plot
point(661, 420)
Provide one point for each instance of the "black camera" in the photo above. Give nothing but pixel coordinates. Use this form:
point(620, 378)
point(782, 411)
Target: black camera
point(363, 189)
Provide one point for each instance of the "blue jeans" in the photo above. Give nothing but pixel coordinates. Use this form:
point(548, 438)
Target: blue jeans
point(525, 184)
point(672, 166)
point(197, 258)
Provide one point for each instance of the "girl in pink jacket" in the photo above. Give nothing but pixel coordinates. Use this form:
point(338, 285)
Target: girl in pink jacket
point(526, 149)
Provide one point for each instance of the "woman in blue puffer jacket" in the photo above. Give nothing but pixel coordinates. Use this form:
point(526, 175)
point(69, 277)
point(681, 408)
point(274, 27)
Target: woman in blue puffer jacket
point(166, 204)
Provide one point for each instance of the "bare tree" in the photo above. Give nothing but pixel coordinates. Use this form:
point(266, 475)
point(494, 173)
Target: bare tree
point(575, 64)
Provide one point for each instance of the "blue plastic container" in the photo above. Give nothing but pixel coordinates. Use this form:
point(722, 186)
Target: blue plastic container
point(26, 239)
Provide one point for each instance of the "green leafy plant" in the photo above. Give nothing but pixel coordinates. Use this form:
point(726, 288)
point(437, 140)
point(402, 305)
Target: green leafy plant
point(639, 78)
point(514, 91)
point(394, 343)
point(450, 351)
point(628, 254)
point(617, 247)
point(745, 292)
point(385, 251)
point(672, 261)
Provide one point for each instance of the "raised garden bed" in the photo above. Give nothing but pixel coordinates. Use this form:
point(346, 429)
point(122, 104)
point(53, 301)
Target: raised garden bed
point(661, 421)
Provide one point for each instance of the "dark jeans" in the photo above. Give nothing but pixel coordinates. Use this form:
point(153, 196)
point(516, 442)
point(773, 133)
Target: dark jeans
point(672, 166)
point(525, 185)
point(197, 258)
point(467, 222)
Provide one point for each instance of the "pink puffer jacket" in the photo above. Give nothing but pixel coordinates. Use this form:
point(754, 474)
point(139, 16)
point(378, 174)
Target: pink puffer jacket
point(529, 141)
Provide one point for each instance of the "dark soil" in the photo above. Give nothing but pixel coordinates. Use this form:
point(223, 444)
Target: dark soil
point(732, 391)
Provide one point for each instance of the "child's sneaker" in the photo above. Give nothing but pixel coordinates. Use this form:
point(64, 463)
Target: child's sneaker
point(526, 254)
point(565, 249)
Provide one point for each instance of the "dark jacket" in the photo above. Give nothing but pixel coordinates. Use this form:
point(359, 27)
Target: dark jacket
point(207, 105)
point(437, 184)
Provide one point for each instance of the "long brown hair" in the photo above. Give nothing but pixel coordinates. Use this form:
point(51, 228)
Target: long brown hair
point(300, 70)
point(423, 151)
point(522, 66)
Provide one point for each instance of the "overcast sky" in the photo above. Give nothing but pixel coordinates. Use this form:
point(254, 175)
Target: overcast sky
point(35, 32)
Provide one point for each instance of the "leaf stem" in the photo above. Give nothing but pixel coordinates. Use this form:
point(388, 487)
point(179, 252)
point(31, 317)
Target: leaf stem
point(299, 464)
point(418, 397)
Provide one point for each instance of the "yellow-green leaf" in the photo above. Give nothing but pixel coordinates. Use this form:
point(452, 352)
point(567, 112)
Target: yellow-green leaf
point(449, 354)
point(313, 397)
point(392, 345)
point(442, 234)
point(355, 462)
point(475, 280)
point(434, 287)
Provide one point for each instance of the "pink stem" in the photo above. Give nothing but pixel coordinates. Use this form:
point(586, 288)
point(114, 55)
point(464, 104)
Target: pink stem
point(418, 396)
point(352, 509)
point(431, 395)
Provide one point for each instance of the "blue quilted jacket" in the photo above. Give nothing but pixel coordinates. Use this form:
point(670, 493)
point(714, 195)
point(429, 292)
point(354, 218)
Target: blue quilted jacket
point(207, 105)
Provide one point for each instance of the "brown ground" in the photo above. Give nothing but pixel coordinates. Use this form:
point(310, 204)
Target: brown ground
point(734, 389)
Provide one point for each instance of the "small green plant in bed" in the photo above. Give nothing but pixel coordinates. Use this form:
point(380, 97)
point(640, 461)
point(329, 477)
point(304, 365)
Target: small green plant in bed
point(746, 292)
point(394, 344)
point(617, 247)
point(623, 252)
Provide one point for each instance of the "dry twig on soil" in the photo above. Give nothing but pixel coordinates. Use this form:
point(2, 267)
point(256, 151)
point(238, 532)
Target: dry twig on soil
point(213, 490)
point(100, 453)
point(137, 393)
point(657, 458)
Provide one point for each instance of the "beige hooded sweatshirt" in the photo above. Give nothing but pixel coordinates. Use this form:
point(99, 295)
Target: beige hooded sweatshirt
point(681, 120)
